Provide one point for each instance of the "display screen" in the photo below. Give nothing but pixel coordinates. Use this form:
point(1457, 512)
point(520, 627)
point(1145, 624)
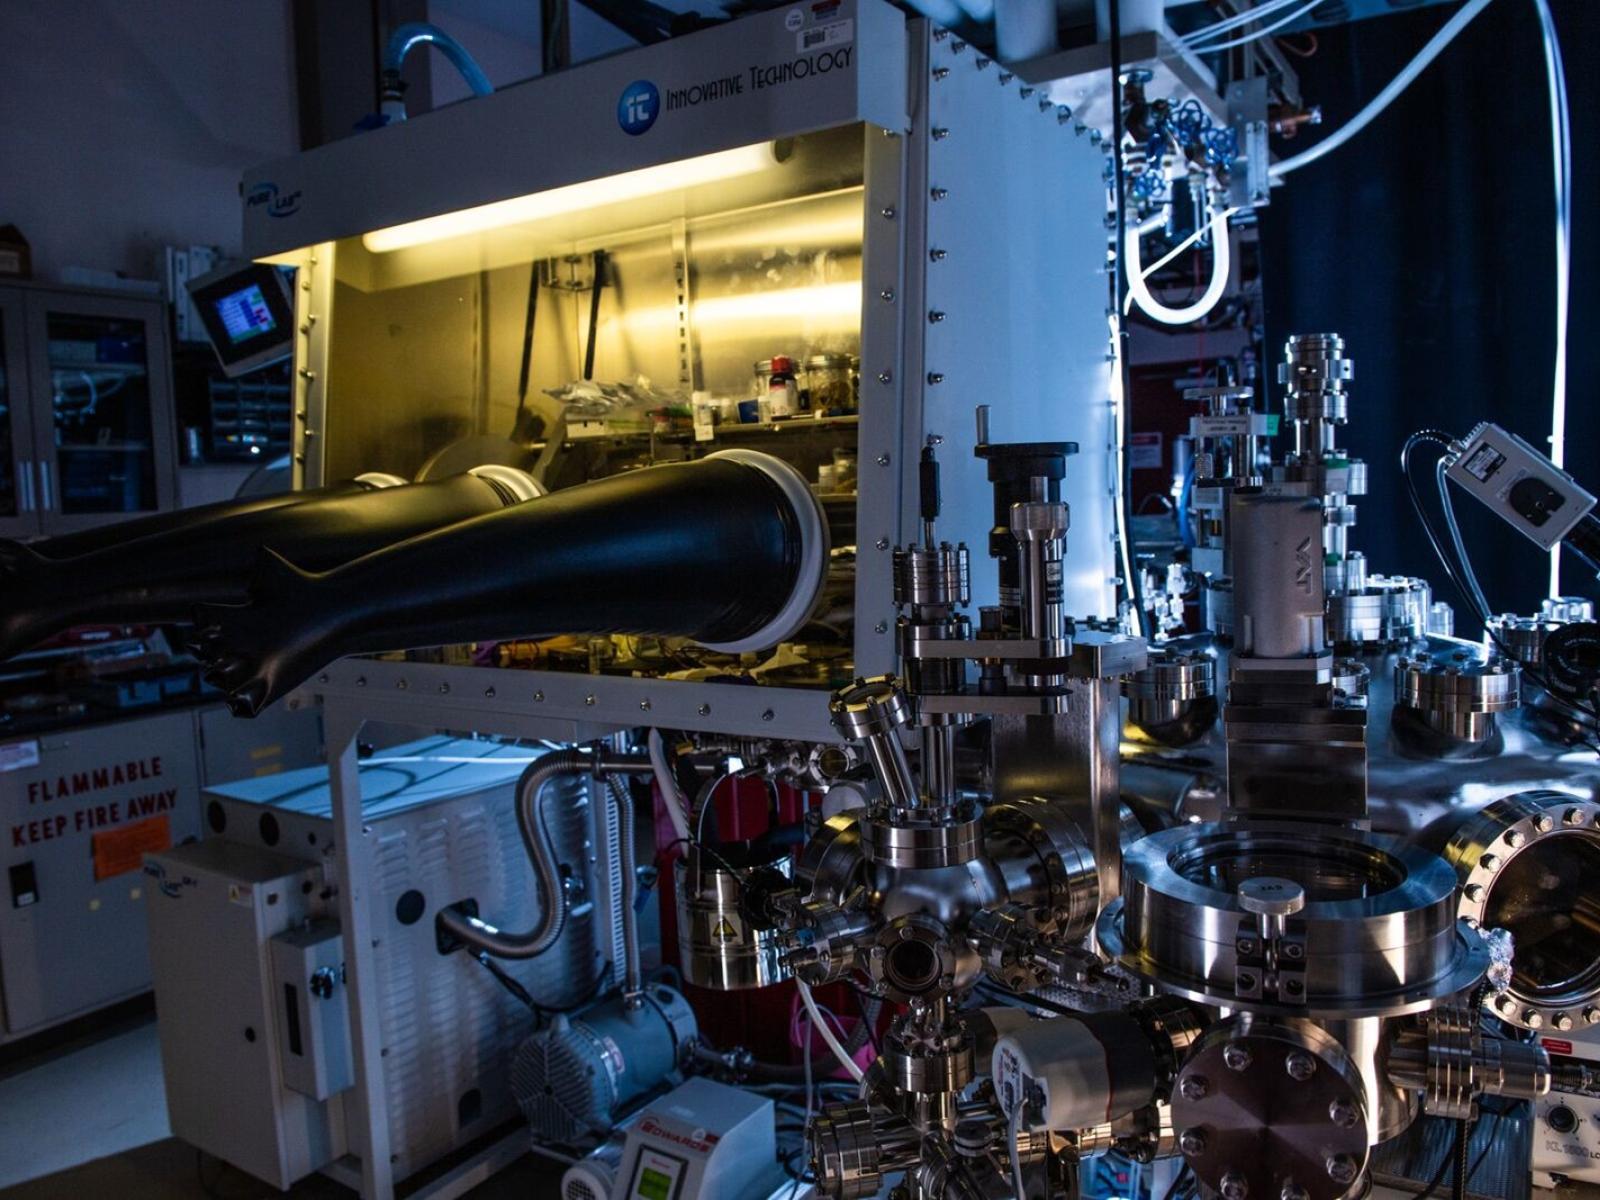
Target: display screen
point(653, 1185)
point(245, 314)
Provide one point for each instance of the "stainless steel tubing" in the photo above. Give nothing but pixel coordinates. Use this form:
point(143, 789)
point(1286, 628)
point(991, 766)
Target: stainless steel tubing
point(633, 977)
point(531, 789)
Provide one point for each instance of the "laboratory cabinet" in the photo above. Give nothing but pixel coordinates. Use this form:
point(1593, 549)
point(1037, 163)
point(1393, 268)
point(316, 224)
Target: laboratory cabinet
point(87, 434)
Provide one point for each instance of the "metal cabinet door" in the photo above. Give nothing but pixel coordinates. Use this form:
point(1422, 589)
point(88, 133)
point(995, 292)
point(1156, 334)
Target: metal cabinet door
point(77, 811)
point(19, 511)
point(104, 419)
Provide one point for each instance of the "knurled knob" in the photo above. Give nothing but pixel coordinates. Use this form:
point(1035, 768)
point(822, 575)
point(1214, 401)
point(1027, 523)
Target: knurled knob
point(869, 707)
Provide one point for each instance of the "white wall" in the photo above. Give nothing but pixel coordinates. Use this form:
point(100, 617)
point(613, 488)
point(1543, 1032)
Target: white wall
point(501, 35)
point(125, 126)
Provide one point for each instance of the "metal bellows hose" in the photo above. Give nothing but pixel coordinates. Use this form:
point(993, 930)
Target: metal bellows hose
point(479, 934)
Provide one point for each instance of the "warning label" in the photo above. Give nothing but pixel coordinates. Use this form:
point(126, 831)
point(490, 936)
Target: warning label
point(118, 851)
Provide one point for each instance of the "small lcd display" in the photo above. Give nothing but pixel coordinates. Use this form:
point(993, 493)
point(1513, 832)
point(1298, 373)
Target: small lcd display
point(248, 314)
point(653, 1185)
point(245, 314)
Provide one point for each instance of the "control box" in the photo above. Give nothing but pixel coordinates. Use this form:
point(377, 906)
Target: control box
point(1566, 1125)
point(701, 1140)
point(1520, 484)
point(1566, 1139)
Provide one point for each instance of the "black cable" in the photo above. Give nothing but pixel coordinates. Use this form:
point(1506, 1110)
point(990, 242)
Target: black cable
point(506, 980)
point(1458, 581)
point(1438, 1177)
point(1177, 1180)
point(539, 1009)
point(1119, 287)
point(600, 260)
point(1443, 439)
point(1488, 1145)
point(1458, 1189)
point(704, 848)
point(527, 348)
point(866, 1023)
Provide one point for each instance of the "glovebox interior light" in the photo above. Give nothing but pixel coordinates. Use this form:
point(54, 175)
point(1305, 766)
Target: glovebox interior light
point(575, 197)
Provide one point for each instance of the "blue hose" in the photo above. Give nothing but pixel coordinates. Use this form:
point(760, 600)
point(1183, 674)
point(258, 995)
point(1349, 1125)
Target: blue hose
point(1185, 534)
point(412, 34)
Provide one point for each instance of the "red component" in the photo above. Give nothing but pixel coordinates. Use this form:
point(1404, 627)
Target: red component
point(759, 1019)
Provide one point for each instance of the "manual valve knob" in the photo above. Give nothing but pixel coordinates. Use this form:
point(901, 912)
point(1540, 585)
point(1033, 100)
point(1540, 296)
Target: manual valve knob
point(1269, 896)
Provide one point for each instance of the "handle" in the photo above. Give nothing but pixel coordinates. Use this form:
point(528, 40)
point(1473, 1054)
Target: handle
point(25, 485)
point(46, 497)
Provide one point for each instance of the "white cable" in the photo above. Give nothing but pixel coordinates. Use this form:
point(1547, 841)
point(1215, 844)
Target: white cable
point(1221, 263)
point(1260, 33)
point(1561, 146)
point(839, 1052)
point(1384, 98)
point(671, 798)
point(1191, 41)
point(1127, 304)
point(1120, 472)
point(1227, 24)
point(811, 1093)
point(1013, 1132)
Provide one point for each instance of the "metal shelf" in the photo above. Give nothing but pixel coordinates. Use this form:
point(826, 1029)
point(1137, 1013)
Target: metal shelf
point(561, 706)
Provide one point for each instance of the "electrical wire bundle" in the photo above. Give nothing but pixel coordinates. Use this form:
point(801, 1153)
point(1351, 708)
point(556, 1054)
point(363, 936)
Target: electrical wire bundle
point(1200, 41)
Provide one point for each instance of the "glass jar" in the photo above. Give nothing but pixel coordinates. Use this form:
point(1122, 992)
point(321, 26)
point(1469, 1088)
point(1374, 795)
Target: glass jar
point(828, 379)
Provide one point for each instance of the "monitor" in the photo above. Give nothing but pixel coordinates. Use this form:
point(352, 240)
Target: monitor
point(248, 314)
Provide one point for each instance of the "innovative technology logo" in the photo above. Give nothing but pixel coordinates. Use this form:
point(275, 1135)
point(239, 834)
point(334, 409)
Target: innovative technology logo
point(639, 106)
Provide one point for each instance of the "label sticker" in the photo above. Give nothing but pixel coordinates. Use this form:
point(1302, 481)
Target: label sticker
point(616, 1064)
point(794, 20)
point(834, 33)
point(1145, 451)
point(119, 851)
point(19, 756)
point(1226, 426)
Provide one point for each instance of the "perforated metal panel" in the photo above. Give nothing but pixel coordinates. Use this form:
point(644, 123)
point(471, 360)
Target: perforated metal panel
point(443, 832)
point(450, 1029)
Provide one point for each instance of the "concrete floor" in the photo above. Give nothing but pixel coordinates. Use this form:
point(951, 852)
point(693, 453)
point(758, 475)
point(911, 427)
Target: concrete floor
point(88, 1118)
point(95, 1096)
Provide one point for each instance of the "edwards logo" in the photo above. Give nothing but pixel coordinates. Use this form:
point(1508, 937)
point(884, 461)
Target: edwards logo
point(638, 107)
point(277, 205)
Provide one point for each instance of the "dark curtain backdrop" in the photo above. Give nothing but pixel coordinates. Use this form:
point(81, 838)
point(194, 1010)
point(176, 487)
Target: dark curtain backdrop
point(1428, 242)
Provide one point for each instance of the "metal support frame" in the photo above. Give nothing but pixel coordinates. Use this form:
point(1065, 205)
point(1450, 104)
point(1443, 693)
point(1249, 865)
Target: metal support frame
point(313, 312)
point(372, 1173)
point(353, 856)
